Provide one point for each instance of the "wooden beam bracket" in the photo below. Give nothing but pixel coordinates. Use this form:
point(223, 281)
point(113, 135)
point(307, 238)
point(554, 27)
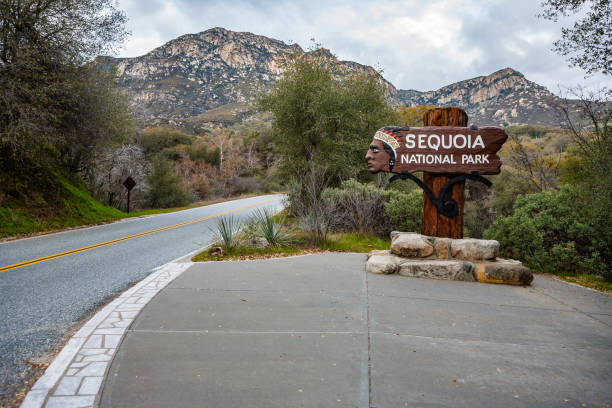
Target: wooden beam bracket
point(445, 204)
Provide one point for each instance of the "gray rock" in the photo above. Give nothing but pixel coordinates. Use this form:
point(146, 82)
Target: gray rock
point(442, 247)
point(507, 271)
point(437, 269)
point(258, 242)
point(377, 252)
point(394, 233)
point(382, 264)
point(216, 251)
point(471, 249)
point(411, 245)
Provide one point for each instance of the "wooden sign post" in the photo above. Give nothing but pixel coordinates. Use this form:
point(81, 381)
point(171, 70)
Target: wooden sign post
point(448, 153)
point(433, 223)
point(129, 183)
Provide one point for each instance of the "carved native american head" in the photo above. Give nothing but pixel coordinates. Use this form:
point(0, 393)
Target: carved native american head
point(382, 152)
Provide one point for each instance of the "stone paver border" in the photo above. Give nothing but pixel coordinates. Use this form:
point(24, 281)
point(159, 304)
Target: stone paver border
point(75, 376)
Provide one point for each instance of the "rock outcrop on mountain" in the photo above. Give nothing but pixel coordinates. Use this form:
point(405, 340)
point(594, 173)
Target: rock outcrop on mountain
point(195, 76)
point(505, 97)
point(196, 73)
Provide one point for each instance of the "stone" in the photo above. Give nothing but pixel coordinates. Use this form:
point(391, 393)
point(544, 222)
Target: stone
point(216, 251)
point(411, 245)
point(442, 247)
point(470, 249)
point(394, 233)
point(437, 269)
point(377, 252)
point(258, 242)
point(506, 271)
point(384, 264)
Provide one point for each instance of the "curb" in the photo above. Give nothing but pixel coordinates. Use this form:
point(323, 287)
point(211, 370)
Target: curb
point(75, 376)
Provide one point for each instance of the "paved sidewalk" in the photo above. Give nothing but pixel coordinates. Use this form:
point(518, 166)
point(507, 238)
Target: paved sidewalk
point(316, 331)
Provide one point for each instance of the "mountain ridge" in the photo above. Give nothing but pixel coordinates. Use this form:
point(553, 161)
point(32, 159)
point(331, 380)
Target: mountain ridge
point(196, 73)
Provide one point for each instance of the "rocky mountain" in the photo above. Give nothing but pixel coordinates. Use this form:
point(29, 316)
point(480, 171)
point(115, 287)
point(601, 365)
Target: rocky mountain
point(197, 73)
point(505, 97)
point(212, 75)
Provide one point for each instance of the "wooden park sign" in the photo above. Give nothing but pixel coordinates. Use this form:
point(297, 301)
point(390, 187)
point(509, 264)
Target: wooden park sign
point(443, 150)
point(448, 153)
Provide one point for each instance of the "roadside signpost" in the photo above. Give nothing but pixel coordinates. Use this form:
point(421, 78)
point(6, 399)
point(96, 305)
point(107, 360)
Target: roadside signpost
point(129, 183)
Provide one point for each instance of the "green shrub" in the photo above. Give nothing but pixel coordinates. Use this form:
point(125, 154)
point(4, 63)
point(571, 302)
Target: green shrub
point(271, 229)
point(202, 153)
point(555, 232)
point(404, 210)
point(226, 234)
point(164, 188)
point(155, 140)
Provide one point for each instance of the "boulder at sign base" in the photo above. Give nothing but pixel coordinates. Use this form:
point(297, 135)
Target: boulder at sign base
point(437, 269)
point(442, 246)
point(411, 245)
point(506, 271)
point(470, 249)
point(468, 259)
point(384, 264)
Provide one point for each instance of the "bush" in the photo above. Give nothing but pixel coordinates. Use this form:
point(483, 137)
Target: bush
point(241, 185)
point(305, 202)
point(202, 153)
point(555, 232)
point(405, 210)
point(157, 139)
point(270, 229)
point(227, 231)
point(357, 208)
point(164, 188)
point(366, 209)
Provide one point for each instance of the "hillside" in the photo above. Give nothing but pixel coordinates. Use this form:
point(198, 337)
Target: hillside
point(63, 202)
point(196, 73)
point(505, 97)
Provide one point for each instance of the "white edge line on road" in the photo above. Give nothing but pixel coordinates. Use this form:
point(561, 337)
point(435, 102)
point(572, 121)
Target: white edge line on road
point(77, 373)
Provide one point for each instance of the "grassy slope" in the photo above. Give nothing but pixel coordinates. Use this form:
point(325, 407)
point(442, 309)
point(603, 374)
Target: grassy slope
point(77, 207)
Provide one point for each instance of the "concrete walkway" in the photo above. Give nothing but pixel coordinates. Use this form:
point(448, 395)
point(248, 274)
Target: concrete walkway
point(316, 331)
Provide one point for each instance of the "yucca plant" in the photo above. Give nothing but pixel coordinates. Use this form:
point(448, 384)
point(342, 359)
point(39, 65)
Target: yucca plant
point(227, 231)
point(271, 230)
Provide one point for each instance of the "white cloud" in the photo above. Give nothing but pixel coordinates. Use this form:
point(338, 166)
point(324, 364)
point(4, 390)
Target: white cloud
point(420, 44)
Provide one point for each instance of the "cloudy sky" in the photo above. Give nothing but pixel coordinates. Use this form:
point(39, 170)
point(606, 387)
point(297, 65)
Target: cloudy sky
point(419, 44)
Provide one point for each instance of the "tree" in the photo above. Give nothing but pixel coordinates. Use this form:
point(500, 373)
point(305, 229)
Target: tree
point(537, 167)
point(589, 41)
point(321, 118)
point(112, 166)
point(55, 103)
point(587, 116)
point(588, 119)
point(412, 115)
point(164, 186)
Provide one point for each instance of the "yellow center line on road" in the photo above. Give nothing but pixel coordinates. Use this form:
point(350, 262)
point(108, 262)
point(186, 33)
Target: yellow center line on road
point(118, 240)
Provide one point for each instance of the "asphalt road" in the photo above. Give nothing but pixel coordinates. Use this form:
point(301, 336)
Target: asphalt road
point(40, 303)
